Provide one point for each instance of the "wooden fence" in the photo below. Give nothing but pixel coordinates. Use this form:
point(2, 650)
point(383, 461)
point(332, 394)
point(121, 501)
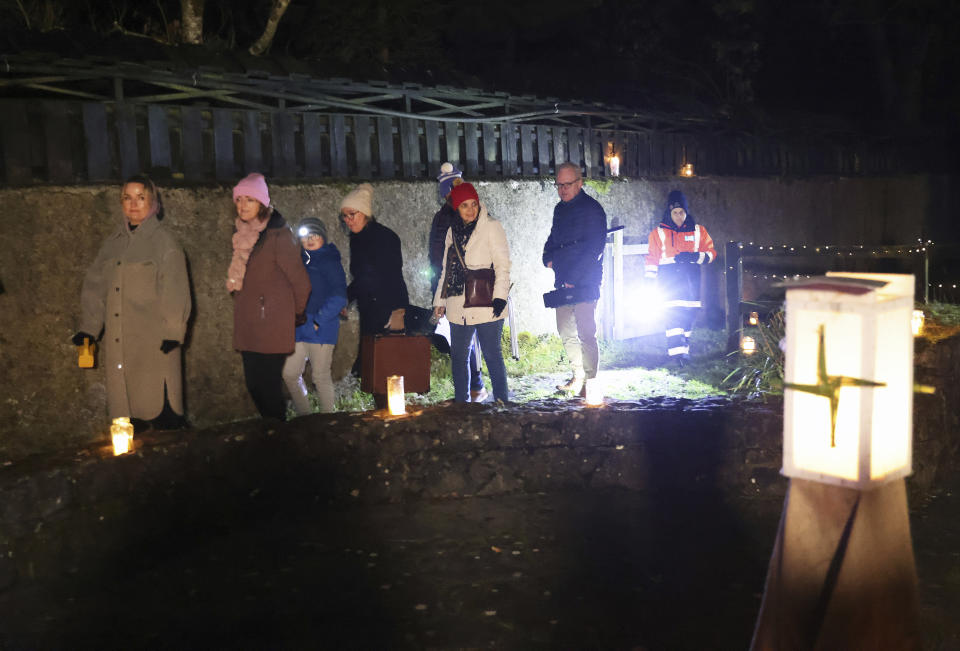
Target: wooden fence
point(62, 141)
point(778, 263)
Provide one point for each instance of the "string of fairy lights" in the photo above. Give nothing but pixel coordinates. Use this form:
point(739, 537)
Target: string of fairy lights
point(922, 248)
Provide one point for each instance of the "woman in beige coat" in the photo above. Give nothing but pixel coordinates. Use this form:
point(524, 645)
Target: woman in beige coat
point(137, 291)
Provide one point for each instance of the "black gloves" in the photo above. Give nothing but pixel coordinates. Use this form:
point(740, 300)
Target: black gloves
point(80, 336)
point(498, 305)
point(167, 345)
point(300, 319)
point(686, 258)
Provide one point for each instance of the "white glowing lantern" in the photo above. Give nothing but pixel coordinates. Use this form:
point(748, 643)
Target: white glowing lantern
point(748, 345)
point(848, 379)
point(753, 319)
point(593, 391)
point(614, 165)
point(121, 432)
point(395, 397)
point(916, 322)
point(687, 170)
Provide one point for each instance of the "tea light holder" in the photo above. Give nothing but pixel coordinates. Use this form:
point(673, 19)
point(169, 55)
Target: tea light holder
point(396, 405)
point(593, 392)
point(121, 432)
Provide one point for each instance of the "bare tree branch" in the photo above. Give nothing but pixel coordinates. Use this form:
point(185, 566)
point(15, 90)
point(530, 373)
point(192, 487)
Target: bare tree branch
point(270, 30)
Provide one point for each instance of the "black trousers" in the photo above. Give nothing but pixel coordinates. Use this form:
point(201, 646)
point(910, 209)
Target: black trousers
point(263, 373)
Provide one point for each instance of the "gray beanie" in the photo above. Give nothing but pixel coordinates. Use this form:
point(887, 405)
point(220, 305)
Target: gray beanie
point(312, 226)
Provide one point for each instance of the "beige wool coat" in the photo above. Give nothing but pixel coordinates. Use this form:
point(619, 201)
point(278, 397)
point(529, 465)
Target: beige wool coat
point(138, 291)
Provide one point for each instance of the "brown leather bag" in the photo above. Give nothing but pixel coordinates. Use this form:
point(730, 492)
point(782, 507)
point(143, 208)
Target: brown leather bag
point(477, 284)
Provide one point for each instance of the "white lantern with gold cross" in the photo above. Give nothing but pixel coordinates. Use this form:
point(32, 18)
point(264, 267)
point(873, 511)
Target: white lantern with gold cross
point(848, 379)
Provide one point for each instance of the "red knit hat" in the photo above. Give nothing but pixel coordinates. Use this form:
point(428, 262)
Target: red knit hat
point(461, 193)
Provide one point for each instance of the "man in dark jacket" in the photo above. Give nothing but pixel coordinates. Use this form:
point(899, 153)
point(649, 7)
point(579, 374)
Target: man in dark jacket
point(449, 178)
point(574, 250)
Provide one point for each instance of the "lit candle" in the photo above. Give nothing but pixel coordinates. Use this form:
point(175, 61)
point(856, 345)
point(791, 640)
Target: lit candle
point(614, 165)
point(916, 322)
point(594, 392)
point(687, 170)
point(748, 345)
point(395, 398)
point(754, 319)
point(121, 431)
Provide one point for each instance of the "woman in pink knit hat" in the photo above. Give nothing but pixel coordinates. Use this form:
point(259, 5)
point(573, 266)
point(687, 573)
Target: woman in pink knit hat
point(270, 288)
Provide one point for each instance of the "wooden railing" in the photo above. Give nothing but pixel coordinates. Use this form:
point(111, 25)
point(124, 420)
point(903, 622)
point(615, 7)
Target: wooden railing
point(62, 142)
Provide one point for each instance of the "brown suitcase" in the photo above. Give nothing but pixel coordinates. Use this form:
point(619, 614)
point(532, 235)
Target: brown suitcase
point(385, 355)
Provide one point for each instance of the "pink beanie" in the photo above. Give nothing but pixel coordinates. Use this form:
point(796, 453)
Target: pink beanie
point(253, 185)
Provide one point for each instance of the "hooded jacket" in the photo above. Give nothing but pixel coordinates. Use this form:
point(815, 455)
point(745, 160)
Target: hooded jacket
point(681, 281)
point(275, 289)
point(138, 291)
point(328, 295)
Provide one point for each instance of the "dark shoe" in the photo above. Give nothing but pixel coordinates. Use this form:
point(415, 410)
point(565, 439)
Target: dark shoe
point(574, 385)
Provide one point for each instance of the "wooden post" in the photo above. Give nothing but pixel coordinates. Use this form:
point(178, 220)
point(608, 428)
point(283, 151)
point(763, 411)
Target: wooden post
point(385, 147)
point(361, 142)
point(618, 304)
point(842, 573)
point(311, 134)
point(733, 271)
point(252, 145)
point(222, 144)
point(526, 149)
point(96, 140)
point(543, 151)
point(338, 145)
point(125, 120)
point(56, 133)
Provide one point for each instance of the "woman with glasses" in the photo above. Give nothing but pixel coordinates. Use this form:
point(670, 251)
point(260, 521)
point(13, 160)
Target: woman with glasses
point(270, 288)
point(376, 265)
point(317, 337)
point(474, 241)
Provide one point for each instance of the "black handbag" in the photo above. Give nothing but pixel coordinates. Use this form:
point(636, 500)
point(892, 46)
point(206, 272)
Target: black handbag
point(477, 283)
point(571, 296)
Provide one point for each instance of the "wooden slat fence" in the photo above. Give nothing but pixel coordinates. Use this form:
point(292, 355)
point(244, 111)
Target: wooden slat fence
point(64, 141)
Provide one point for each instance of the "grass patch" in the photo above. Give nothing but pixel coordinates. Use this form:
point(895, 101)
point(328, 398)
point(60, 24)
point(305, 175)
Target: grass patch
point(942, 321)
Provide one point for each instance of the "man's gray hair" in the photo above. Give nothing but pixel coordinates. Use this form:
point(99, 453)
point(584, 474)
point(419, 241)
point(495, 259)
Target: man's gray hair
point(573, 167)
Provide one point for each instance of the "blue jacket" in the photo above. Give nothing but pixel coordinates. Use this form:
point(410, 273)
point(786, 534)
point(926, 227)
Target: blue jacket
point(576, 242)
point(327, 298)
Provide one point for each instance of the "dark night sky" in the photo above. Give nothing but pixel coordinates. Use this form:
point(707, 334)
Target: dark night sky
point(886, 64)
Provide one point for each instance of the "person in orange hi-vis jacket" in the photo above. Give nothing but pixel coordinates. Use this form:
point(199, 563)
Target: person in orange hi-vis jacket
point(678, 246)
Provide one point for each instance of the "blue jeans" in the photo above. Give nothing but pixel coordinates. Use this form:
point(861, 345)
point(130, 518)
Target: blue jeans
point(489, 336)
point(476, 376)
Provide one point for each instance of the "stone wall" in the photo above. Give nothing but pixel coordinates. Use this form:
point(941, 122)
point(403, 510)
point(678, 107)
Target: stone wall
point(51, 234)
point(68, 515)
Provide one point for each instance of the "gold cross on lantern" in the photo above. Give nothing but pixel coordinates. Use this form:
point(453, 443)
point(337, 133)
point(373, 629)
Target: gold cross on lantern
point(829, 386)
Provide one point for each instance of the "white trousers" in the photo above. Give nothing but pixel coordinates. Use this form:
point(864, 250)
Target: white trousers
point(321, 358)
